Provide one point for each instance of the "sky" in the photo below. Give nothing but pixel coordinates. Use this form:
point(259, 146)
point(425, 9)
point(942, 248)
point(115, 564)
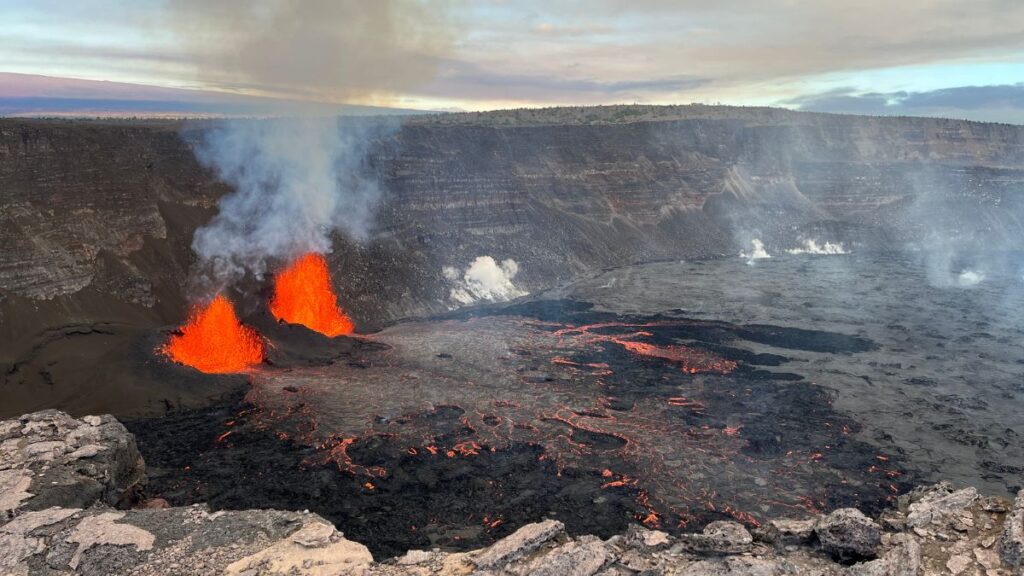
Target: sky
point(950, 58)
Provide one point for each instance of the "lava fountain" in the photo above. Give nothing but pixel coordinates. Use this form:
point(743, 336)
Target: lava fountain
point(303, 295)
point(214, 341)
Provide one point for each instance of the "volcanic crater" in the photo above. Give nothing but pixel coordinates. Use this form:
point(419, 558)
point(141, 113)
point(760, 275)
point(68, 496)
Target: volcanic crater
point(479, 420)
point(652, 375)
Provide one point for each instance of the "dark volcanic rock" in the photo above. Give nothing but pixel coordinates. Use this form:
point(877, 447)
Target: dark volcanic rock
point(784, 532)
point(96, 540)
point(227, 462)
point(721, 537)
point(182, 541)
point(848, 534)
point(1011, 542)
point(518, 544)
point(938, 504)
point(295, 345)
point(50, 459)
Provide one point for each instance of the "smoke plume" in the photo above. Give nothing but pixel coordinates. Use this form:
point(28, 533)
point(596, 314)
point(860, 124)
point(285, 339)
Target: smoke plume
point(327, 50)
point(811, 246)
point(757, 252)
point(484, 279)
point(296, 180)
point(299, 179)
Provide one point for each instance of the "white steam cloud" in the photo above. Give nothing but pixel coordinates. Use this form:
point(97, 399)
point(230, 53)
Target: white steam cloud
point(299, 180)
point(324, 50)
point(483, 280)
point(970, 278)
point(811, 246)
point(757, 252)
point(296, 181)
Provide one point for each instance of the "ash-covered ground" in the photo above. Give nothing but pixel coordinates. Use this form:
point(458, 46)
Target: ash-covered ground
point(672, 394)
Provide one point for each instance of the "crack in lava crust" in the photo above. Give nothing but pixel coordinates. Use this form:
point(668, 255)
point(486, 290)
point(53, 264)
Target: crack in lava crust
point(653, 405)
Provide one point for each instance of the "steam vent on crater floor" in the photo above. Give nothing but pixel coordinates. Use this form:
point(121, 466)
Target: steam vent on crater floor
point(617, 340)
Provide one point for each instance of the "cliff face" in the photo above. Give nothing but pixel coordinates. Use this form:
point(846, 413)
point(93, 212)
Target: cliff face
point(568, 199)
point(96, 218)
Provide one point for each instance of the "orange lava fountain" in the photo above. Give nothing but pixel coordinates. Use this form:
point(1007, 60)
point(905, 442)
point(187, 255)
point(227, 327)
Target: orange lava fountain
point(214, 341)
point(303, 295)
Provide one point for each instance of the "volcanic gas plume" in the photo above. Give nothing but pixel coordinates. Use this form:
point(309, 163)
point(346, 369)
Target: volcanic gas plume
point(214, 341)
point(303, 295)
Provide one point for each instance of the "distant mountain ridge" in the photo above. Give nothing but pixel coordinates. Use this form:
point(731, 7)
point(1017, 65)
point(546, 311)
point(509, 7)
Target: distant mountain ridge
point(30, 95)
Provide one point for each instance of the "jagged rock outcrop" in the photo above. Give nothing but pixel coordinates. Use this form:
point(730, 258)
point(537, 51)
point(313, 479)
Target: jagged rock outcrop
point(518, 544)
point(720, 537)
point(935, 530)
point(50, 459)
point(848, 534)
point(1011, 542)
point(180, 541)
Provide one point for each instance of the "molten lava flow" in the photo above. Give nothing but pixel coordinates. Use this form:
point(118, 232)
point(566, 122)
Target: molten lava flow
point(214, 341)
point(303, 295)
point(692, 360)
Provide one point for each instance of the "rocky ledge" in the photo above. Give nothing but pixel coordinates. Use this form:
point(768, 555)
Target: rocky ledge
point(69, 505)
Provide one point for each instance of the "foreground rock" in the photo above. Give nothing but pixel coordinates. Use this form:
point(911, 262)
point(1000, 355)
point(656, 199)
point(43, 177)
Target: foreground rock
point(73, 527)
point(849, 534)
point(51, 459)
point(1011, 542)
point(190, 540)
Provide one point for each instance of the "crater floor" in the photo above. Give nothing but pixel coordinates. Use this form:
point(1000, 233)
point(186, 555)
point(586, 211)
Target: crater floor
point(657, 393)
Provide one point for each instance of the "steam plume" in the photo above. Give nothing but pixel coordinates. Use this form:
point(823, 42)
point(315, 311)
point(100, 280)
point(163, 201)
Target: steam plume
point(757, 252)
point(299, 179)
point(811, 246)
point(296, 181)
point(484, 279)
point(328, 50)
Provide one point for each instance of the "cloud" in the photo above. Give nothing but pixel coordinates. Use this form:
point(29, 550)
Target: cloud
point(484, 279)
point(742, 51)
point(330, 49)
point(447, 53)
point(472, 81)
point(550, 29)
point(34, 95)
point(1000, 102)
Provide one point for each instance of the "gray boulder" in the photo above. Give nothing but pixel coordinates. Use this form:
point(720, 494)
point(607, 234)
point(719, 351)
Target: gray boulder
point(722, 537)
point(754, 566)
point(518, 544)
point(938, 505)
point(50, 459)
point(582, 557)
point(847, 534)
point(187, 541)
point(903, 559)
point(786, 532)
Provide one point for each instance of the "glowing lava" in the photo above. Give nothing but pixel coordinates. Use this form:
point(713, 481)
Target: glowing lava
point(691, 360)
point(303, 295)
point(214, 341)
